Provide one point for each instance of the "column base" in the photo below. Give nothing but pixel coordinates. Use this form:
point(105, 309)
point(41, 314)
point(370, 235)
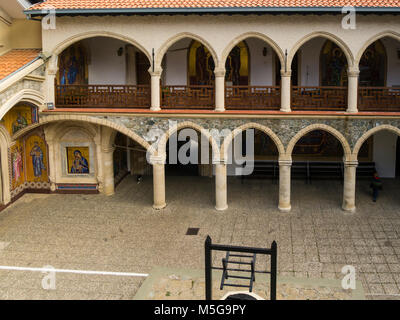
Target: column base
point(351, 111)
point(285, 208)
point(159, 206)
point(221, 208)
point(219, 109)
point(155, 109)
point(350, 209)
point(285, 110)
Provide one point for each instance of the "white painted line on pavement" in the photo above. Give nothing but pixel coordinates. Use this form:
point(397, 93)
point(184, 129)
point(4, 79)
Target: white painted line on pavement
point(105, 273)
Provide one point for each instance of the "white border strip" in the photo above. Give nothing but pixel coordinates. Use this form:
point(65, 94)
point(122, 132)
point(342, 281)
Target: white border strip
point(105, 273)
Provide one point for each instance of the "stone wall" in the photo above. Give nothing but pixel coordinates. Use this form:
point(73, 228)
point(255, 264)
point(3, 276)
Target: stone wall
point(285, 127)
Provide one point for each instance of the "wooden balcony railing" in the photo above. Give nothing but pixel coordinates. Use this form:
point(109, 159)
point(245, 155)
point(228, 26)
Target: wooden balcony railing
point(236, 97)
point(319, 98)
point(379, 99)
point(103, 96)
point(252, 97)
point(187, 97)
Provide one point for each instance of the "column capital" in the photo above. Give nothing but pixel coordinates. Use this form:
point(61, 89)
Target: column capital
point(51, 71)
point(287, 73)
point(350, 163)
point(107, 149)
point(353, 72)
point(285, 162)
point(219, 72)
point(156, 72)
point(220, 161)
point(157, 159)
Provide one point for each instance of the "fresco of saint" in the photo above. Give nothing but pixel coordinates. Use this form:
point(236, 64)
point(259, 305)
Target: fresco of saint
point(19, 123)
point(17, 165)
point(37, 160)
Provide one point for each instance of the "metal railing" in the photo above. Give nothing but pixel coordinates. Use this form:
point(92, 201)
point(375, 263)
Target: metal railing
point(209, 247)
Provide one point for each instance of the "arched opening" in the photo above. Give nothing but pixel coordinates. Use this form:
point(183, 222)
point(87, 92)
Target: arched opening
point(317, 169)
point(188, 76)
point(382, 150)
point(252, 77)
point(253, 168)
point(132, 173)
point(189, 166)
point(379, 83)
point(28, 160)
point(322, 76)
point(102, 72)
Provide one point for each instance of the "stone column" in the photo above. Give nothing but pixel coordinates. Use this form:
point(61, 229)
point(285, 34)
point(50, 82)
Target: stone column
point(286, 90)
point(158, 182)
point(108, 171)
point(100, 176)
point(352, 90)
point(284, 185)
point(349, 185)
point(155, 90)
point(221, 194)
point(219, 89)
point(51, 166)
point(50, 94)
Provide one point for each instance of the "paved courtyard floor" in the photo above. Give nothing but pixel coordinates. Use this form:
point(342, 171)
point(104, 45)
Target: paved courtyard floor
point(122, 233)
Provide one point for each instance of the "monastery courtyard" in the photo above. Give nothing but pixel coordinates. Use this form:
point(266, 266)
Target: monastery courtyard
point(122, 233)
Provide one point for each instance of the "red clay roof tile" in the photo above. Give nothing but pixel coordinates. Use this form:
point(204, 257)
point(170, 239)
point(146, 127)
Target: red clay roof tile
point(136, 4)
point(15, 59)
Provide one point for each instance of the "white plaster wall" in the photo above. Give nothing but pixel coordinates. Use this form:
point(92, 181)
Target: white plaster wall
point(384, 153)
point(105, 66)
point(176, 60)
point(218, 31)
point(309, 62)
point(262, 71)
point(393, 61)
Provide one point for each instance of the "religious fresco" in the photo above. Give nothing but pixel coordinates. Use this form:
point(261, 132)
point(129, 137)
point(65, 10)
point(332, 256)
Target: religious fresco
point(36, 159)
point(333, 64)
point(78, 160)
point(17, 165)
point(29, 162)
point(237, 65)
point(19, 117)
point(201, 65)
point(372, 66)
point(73, 65)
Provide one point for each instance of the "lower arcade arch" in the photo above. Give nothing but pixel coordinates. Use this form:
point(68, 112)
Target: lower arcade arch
point(189, 165)
point(378, 151)
point(317, 164)
point(252, 166)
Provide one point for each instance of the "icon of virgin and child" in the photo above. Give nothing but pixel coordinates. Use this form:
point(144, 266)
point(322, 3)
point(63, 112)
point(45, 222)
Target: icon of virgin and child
point(79, 164)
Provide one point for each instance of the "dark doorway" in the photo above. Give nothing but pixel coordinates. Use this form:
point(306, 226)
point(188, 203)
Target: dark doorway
point(179, 169)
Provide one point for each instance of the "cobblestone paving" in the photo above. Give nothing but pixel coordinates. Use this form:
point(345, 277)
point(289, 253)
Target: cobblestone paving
point(123, 233)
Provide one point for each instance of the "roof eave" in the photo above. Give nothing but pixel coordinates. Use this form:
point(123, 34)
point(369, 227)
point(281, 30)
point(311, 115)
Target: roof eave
point(258, 10)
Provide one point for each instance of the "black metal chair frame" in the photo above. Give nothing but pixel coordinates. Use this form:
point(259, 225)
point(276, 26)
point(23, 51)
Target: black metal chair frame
point(246, 252)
